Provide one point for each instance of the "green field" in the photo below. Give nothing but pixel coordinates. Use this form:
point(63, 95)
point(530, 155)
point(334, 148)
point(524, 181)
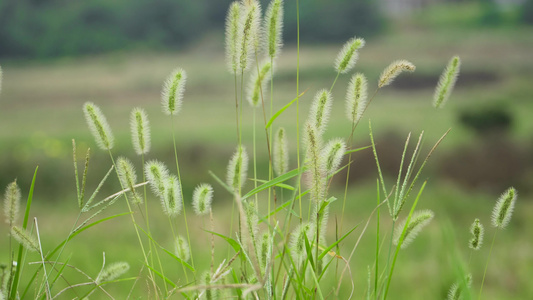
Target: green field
point(41, 111)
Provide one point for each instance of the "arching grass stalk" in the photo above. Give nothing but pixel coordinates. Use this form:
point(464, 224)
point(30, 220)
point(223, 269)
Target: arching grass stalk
point(135, 225)
point(181, 189)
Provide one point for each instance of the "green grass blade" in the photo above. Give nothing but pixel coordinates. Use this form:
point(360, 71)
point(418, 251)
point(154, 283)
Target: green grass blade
point(281, 185)
point(337, 242)
point(401, 239)
point(274, 182)
point(14, 286)
point(279, 112)
point(356, 150)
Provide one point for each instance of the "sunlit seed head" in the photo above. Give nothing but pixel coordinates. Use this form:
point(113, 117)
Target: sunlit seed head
point(356, 97)
point(333, 153)
point(320, 110)
point(348, 55)
point(446, 82)
point(237, 169)
point(112, 272)
point(98, 126)
point(393, 70)
point(140, 131)
point(128, 177)
point(182, 248)
point(297, 244)
point(273, 27)
point(24, 238)
point(249, 36)
point(173, 89)
point(281, 152)
point(172, 201)
point(477, 232)
point(157, 174)
point(257, 86)
point(233, 27)
point(201, 199)
point(12, 202)
point(252, 220)
point(265, 250)
point(418, 221)
point(503, 210)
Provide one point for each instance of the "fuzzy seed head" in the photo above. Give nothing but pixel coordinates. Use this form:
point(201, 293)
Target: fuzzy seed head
point(281, 152)
point(249, 35)
point(202, 198)
point(419, 220)
point(140, 131)
point(173, 89)
point(127, 176)
point(447, 82)
point(348, 55)
point(237, 169)
point(24, 238)
point(172, 201)
point(456, 292)
point(298, 241)
point(157, 174)
point(477, 231)
point(320, 110)
point(182, 248)
point(12, 202)
point(503, 210)
point(316, 174)
point(208, 294)
point(98, 126)
point(258, 83)
point(252, 220)
point(273, 27)
point(112, 272)
point(233, 27)
point(356, 97)
point(265, 251)
point(333, 153)
point(393, 70)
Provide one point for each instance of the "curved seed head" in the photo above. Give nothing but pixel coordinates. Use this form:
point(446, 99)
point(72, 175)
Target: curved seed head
point(281, 152)
point(157, 174)
point(237, 169)
point(140, 131)
point(503, 210)
point(273, 27)
point(173, 89)
point(258, 82)
point(249, 35)
point(127, 176)
point(12, 202)
point(201, 199)
point(297, 245)
point(393, 70)
point(320, 110)
point(98, 126)
point(182, 248)
point(419, 220)
point(477, 231)
point(24, 238)
point(172, 201)
point(446, 82)
point(333, 153)
point(233, 27)
point(356, 97)
point(112, 272)
point(348, 55)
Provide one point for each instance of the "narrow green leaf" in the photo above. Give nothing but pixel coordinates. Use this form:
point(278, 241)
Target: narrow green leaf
point(337, 242)
point(281, 185)
point(162, 276)
point(14, 286)
point(357, 150)
point(279, 112)
point(274, 182)
point(233, 243)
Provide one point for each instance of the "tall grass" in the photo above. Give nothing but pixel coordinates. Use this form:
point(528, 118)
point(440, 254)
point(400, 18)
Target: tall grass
point(283, 246)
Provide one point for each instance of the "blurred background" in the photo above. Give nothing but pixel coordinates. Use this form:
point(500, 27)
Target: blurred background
point(58, 54)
